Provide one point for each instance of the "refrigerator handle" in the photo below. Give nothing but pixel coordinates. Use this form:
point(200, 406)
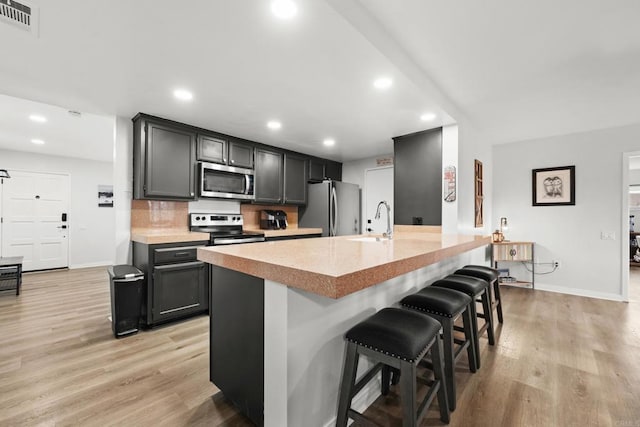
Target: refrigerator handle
point(334, 212)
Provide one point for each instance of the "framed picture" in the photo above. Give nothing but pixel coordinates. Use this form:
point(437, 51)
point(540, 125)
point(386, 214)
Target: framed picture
point(554, 186)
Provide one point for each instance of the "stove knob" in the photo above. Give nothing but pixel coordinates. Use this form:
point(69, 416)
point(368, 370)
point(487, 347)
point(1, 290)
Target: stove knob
point(197, 218)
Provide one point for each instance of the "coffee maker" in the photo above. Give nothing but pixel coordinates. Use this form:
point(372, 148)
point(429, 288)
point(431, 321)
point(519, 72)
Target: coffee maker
point(273, 219)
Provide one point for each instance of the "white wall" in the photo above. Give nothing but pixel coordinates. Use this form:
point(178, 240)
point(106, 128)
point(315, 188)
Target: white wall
point(122, 189)
point(91, 229)
point(634, 177)
point(571, 234)
point(450, 158)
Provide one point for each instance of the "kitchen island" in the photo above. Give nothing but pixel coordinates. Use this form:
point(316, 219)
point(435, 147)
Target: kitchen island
point(279, 311)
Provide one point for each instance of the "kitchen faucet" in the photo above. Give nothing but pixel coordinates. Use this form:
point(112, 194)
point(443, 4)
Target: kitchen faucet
point(389, 232)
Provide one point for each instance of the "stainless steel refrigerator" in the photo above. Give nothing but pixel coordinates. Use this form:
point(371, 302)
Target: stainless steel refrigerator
point(333, 206)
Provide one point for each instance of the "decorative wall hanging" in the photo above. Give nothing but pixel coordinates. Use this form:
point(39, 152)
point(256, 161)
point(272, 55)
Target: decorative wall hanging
point(554, 186)
point(105, 196)
point(479, 195)
point(449, 184)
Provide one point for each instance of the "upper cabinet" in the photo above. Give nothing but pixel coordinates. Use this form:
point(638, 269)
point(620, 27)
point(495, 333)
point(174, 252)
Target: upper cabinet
point(212, 149)
point(321, 169)
point(240, 154)
point(268, 176)
point(164, 160)
point(295, 183)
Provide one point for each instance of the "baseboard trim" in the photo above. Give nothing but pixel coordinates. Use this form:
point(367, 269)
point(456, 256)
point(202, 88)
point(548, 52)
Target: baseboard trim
point(580, 292)
point(91, 264)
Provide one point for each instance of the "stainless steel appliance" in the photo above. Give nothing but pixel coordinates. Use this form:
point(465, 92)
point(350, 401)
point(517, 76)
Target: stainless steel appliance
point(223, 229)
point(333, 206)
point(227, 182)
point(127, 288)
point(273, 219)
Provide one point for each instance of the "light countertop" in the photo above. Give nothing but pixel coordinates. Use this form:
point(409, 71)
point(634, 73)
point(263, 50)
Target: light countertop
point(338, 266)
point(152, 236)
point(288, 231)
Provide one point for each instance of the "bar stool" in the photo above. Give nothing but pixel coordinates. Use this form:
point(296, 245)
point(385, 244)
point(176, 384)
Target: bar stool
point(398, 339)
point(445, 305)
point(490, 275)
point(477, 289)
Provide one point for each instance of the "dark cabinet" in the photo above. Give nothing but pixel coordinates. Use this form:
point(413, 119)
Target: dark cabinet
point(177, 283)
point(240, 154)
point(179, 290)
point(295, 183)
point(164, 160)
point(212, 149)
point(268, 176)
point(333, 170)
point(418, 178)
point(316, 170)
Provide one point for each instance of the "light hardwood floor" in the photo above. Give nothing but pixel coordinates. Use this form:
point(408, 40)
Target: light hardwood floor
point(559, 361)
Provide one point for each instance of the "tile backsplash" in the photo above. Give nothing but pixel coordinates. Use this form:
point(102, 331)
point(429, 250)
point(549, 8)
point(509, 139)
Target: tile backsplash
point(159, 214)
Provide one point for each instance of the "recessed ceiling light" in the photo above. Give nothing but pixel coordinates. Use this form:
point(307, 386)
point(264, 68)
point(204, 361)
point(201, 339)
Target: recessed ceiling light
point(273, 124)
point(183, 94)
point(37, 118)
point(284, 9)
point(37, 141)
point(427, 117)
point(383, 83)
point(329, 142)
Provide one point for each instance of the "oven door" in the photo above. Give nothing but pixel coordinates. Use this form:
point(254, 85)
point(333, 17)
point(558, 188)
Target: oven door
point(221, 181)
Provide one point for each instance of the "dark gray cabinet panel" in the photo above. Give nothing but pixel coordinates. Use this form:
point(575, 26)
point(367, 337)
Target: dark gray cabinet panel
point(333, 170)
point(240, 155)
point(212, 149)
point(164, 161)
point(316, 170)
point(268, 176)
point(177, 283)
point(418, 178)
point(295, 183)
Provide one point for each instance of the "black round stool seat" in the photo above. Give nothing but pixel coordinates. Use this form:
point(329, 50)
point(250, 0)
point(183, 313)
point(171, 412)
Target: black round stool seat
point(395, 332)
point(480, 271)
point(439, 301)
point(471, 286)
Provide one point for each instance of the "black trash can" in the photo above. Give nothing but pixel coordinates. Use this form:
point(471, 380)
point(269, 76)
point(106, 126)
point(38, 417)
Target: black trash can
point(127, 289)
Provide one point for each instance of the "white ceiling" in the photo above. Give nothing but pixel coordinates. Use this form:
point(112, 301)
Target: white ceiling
point(513, 69)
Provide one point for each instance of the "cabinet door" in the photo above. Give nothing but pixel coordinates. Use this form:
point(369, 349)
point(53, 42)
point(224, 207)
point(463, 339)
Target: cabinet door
point(268, 176)
point(212, 149)
point(240, 155)
point(169, 163)
point(179, 290)
point(316, 170)
point(295, 182)
point(333, 170)
point(512, 252)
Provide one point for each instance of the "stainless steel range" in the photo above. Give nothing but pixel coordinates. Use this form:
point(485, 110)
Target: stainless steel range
point(223, 229)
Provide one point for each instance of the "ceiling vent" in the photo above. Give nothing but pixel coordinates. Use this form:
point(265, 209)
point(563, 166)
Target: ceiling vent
point(20, 14)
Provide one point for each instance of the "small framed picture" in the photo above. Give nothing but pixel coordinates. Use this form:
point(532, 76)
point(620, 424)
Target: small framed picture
point(554, 186)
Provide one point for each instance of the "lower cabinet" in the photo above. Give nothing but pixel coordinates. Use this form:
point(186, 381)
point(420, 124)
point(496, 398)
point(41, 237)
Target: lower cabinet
point(179, 290)
point(177, 283)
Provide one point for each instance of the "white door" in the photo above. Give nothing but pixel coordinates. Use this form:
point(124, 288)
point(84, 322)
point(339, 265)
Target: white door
point(33, 205)
point(378, 186)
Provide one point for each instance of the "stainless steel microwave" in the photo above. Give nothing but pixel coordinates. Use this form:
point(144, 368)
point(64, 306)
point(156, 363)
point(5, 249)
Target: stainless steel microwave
point(227, 182)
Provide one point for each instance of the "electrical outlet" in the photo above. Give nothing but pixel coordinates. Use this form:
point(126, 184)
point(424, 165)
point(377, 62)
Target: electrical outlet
point(556, 263)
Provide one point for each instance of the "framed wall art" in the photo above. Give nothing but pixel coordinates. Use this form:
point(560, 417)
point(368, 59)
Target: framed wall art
point(554, 186)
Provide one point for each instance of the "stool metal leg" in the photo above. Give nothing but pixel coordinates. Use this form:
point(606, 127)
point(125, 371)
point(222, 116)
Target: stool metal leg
point(347, 384)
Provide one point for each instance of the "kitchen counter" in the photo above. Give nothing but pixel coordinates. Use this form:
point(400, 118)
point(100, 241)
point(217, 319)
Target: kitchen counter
point(165, 235)
point(288, 232)
point(337, 266)
point(279, 312)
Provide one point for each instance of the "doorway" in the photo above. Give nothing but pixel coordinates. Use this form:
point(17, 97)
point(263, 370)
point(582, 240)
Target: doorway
point(34, 219)
point(378, 186)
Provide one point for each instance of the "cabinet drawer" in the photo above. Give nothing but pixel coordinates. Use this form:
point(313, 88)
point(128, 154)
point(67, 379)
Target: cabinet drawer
point(171, 255)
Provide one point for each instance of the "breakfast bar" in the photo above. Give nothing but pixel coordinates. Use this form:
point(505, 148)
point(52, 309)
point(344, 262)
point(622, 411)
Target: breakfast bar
point(279, 311)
